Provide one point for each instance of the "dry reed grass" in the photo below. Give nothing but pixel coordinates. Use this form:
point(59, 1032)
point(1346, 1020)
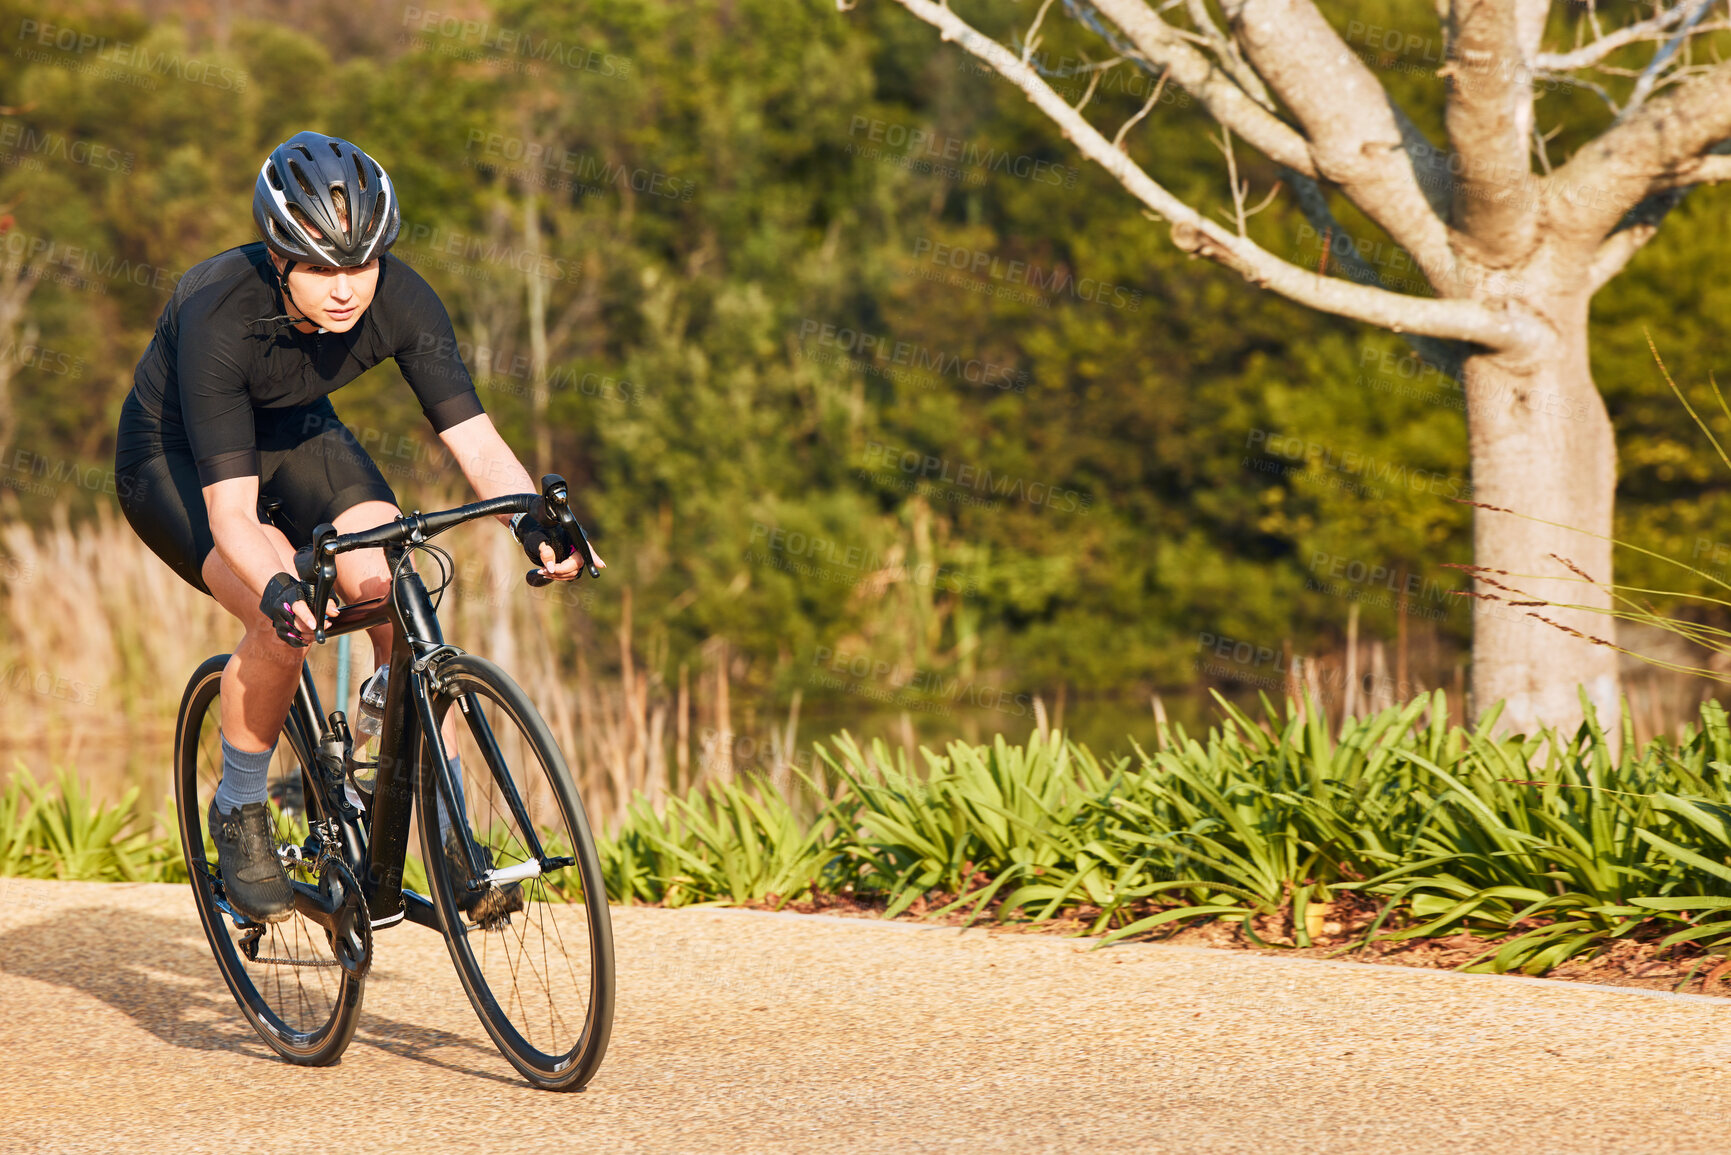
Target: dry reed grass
point(99, 637)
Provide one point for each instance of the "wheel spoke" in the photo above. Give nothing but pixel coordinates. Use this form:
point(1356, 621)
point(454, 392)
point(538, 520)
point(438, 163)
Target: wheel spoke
point(298, 1014)
point(539, 977)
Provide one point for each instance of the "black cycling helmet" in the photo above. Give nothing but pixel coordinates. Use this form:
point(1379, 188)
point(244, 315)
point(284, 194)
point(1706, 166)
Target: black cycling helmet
point(322, 201)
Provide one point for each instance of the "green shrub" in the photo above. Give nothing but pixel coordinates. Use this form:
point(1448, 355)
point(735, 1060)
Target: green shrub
point(1548, 847)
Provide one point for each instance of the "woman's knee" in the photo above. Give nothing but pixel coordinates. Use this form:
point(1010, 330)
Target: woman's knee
point(363, 574)
point(235, 596)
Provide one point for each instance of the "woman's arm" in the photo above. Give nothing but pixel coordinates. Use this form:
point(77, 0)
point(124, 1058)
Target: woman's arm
point(241, 542)
point(494, 471)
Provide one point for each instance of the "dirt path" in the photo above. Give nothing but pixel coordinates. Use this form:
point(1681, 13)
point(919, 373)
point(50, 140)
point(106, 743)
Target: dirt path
point(742, 1032)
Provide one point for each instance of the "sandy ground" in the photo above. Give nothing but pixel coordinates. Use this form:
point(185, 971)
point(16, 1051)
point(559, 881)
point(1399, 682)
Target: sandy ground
point(750, 1032)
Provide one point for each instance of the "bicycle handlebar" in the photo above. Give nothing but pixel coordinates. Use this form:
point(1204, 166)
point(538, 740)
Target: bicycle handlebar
point(316, 563)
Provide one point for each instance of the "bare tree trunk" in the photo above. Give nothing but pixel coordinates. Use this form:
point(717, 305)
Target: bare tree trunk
point(537, 292)
point(16, 283)
point(1542, 447)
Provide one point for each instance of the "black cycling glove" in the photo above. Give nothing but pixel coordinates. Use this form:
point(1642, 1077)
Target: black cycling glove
point(532, 533)
point(280, 595)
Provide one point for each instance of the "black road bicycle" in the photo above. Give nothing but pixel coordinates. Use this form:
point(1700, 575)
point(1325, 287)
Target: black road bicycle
point(513, 875)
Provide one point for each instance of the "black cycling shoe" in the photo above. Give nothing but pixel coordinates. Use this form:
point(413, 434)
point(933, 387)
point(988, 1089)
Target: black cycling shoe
point(488, 909)
point(252, 874)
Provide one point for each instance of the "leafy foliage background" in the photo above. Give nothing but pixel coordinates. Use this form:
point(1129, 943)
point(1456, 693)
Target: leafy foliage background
point(704, 303)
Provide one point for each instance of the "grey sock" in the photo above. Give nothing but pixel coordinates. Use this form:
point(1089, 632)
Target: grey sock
point(245, 776)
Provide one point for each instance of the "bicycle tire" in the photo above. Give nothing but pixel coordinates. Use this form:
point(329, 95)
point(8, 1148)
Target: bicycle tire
point(544, 783)
point(325, 1019)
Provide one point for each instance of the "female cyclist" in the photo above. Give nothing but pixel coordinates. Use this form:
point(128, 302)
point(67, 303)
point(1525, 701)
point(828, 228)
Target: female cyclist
point(230, 404)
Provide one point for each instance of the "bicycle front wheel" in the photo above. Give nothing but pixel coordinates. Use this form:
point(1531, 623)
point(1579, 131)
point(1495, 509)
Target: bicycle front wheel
point(284, 975)
point(540, 975)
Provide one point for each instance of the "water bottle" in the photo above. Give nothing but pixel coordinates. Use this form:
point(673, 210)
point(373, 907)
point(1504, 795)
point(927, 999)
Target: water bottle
point(372, 717)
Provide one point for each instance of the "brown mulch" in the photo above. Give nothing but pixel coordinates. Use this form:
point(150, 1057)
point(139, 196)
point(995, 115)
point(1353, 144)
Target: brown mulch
point(1633, 961)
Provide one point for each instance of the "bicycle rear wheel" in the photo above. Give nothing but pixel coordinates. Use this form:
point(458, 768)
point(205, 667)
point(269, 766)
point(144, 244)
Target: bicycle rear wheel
point(284, 975)
point(542, 981)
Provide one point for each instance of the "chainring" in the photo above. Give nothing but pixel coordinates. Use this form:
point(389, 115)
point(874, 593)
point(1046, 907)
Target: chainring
point(352, 941)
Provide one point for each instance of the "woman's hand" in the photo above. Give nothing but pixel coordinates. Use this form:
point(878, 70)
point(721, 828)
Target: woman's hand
point(284, 603)
point(494, 471)
point(571, 568)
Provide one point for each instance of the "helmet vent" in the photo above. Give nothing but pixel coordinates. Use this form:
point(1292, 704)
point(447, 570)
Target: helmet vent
point(306, 223)
point(361, 176)
point(304, 151)
point(271, 174)
point(301, 179)
point(336, 148)
point(378, 217)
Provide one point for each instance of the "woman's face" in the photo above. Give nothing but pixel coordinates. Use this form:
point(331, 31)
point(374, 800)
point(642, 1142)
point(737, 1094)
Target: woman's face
point(333, 299)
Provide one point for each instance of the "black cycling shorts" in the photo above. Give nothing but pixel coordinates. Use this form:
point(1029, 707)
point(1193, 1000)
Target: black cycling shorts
point(308, 461)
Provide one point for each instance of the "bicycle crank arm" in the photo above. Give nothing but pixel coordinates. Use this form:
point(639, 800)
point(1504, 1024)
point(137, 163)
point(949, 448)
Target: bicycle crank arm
point(336, 904)
point(312, 905)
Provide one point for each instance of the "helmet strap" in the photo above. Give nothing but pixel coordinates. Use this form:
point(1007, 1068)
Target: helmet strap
point(288, 296)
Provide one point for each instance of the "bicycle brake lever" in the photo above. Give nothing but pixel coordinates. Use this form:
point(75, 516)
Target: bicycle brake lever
point(319, 568)
point(556, 496)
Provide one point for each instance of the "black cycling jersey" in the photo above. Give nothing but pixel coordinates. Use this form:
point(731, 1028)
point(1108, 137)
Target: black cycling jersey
point(224, 364)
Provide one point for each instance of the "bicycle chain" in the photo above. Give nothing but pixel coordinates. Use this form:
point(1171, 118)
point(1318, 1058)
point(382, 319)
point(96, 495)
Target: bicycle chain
point(329, 858)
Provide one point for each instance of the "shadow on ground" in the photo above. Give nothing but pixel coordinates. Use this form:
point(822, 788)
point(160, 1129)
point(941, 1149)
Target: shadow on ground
point(161, 975)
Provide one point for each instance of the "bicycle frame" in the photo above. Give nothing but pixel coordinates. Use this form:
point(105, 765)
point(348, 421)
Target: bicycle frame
point(376, 852)
point(375, 855)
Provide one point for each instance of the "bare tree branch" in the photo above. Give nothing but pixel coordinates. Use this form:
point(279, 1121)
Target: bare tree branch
point(1694, 11)
point(1654, 28)
point(1224, 99)
point(1456, 319)
point(1359, 140)
point(1651, 151)
point(1445, 356)
point(1642, 222)
point(1714, 168)
point(1147, 105)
